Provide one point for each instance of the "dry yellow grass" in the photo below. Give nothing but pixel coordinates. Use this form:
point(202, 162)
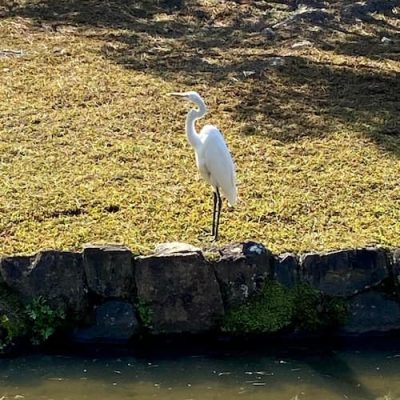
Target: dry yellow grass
point(91, 149)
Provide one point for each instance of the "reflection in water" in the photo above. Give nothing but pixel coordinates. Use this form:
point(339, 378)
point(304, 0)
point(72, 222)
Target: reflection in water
point(349, 374)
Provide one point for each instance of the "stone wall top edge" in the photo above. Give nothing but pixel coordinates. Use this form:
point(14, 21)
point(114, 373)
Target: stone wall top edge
point(200, 251)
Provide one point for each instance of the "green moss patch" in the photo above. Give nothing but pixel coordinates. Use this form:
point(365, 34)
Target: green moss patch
point(269, 311)
point(276, 307)
point(314, 312)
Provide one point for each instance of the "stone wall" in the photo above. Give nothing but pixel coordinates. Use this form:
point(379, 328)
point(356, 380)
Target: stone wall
point(106, 294)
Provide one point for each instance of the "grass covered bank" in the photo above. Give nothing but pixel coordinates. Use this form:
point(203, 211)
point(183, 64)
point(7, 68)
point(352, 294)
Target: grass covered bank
point(91, 149)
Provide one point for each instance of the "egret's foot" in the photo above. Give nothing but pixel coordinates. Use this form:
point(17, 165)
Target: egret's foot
point(206, 234)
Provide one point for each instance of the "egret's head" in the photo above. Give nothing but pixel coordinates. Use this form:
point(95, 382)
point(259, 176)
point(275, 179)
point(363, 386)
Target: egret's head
point(193, 97)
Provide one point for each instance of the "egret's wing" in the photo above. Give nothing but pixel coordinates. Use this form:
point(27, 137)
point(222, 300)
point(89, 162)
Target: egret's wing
point(219, 164)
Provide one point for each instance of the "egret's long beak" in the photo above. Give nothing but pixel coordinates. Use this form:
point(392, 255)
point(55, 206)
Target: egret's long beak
point(176, 94)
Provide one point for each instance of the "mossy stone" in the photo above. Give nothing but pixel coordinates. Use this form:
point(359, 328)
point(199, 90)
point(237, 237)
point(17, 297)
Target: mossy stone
point(301, 308)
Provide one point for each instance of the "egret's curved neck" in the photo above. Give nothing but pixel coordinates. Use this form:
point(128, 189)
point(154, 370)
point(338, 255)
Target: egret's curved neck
point(191, 118)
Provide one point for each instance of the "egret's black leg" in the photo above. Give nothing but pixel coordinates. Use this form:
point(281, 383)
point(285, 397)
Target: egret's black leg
point(219, 206)
point(214, 213)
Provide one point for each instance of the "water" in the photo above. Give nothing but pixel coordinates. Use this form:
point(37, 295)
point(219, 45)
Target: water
point(361, 374)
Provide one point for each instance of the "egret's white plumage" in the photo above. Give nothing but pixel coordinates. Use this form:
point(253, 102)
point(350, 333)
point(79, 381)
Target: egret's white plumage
point(213, 158)
point(215, 163)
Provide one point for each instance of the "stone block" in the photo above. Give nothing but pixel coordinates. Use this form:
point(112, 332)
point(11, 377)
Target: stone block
point(344, 272)
point(287, 270)
point(115, 322)
point(57, 276)
point(242, 271)
point(109, 271)
point(180, 292)
point(372, 312)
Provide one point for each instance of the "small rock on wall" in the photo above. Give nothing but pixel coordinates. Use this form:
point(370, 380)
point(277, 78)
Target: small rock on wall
point(170, 248)
point(180, 292)
point(345, 272)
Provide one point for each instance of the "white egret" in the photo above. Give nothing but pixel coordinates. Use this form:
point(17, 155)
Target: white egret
point(213, 158)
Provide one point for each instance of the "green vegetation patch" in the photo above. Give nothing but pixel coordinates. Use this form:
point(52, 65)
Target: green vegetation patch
point(13, 319)
point(269, 311)
point(314, 311)
point(35, 321)
point(301, 308)
point(44, 320)
point(145, 314)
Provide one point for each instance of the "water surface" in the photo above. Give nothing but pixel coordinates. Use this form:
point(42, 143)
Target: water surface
point(360, 374)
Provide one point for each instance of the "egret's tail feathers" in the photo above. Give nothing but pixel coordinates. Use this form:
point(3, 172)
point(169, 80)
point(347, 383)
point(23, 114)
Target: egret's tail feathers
point(232, 197)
